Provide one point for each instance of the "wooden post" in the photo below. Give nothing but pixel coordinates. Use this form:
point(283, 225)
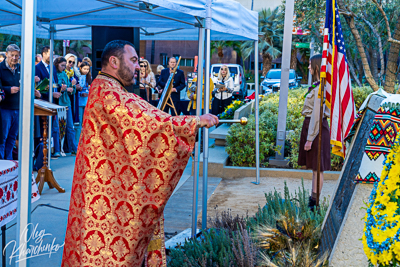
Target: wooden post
point(321, 117)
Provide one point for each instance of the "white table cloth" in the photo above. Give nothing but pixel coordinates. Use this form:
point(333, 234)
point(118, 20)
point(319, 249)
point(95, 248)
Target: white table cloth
point(9, 191)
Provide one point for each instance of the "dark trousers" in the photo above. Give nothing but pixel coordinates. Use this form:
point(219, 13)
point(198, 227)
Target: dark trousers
point(143, 94)
point(10, 126)
point(38, 158)
point(218, 106)
point(69, 139)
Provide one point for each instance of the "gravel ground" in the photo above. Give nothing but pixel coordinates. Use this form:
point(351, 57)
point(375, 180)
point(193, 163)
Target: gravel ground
point(241, 196)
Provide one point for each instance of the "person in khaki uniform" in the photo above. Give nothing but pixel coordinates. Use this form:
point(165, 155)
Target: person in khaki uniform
point(308, 148)
point(191, 92)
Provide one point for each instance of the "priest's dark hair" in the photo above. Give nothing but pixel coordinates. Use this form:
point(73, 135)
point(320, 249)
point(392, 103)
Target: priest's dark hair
point(114, 48)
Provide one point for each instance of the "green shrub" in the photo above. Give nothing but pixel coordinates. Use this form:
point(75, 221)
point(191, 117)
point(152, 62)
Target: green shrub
point(217, 247)
point(241, 139)
point(360, 94)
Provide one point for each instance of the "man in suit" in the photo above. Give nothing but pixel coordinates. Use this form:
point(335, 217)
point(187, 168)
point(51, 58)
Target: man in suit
point(178, 86)
point(42, 70)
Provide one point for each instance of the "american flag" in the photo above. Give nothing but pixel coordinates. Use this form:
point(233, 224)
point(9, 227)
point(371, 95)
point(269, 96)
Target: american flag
point(338, 93)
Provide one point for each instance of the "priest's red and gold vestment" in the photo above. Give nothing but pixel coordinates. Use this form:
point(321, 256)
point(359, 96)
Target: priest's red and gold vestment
point(130, 158)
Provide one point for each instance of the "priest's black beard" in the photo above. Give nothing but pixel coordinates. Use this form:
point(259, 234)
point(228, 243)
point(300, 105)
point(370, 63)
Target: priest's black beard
point(126, 74)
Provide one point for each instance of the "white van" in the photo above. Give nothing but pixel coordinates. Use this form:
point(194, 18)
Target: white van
point(237, 74)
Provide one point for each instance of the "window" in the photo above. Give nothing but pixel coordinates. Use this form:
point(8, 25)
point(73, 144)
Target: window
point(187, 62)
point(233, 70)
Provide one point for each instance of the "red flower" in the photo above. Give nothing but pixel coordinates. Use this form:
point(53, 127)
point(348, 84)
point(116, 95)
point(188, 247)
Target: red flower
point(15, 185)
point(8, 195)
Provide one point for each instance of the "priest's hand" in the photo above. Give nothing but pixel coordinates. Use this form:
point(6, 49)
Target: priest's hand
point(37, 79)
point(208, 120)
point(307, 146)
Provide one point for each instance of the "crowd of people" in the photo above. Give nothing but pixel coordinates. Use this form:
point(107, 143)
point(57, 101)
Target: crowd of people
point(71, 83)
point(72, 77)
point(151, 84)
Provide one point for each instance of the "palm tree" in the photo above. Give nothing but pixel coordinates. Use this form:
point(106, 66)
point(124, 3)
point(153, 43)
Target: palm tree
point(218, 47)
point(270, 37)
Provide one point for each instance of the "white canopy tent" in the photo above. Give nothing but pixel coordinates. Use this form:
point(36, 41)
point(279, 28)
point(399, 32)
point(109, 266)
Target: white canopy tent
point(83, 32)
point(227, 18)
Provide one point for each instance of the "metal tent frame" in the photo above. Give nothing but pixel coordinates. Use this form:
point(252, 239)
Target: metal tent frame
point(194, 18)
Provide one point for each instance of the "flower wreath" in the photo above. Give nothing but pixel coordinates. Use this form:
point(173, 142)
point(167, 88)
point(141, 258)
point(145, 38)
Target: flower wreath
point(382, 220)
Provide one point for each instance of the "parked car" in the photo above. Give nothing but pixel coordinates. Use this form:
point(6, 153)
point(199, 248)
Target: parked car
point(272, 81)
point(237, 73)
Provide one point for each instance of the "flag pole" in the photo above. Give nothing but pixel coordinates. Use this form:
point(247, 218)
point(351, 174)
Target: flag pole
point(321, 117)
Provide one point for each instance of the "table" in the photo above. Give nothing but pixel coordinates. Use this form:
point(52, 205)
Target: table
point(45, 174)
point(9, 191)
point(9, 197)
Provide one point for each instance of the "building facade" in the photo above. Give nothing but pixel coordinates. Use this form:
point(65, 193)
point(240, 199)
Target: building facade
point(158, 52)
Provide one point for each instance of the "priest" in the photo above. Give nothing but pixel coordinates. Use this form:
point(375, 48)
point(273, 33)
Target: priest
point(129, 160)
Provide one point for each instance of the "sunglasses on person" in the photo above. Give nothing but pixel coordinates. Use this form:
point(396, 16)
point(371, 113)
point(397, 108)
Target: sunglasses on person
point(73, 62)
point(224, 69)
point(145, 66)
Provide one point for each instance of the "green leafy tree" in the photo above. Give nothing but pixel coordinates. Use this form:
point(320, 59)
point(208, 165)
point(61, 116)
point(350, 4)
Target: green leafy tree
point(7, 39)
point(367, 26)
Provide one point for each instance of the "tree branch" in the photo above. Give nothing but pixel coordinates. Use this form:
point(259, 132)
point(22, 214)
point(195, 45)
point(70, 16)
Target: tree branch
point(353, 72)
point(360, 47)
point(390, 39)
point(379, 47)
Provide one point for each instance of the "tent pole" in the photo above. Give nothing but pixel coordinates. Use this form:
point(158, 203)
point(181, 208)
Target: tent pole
point(284, 90)
point(311, 54)
point(257, 100)
point(50, 90)
point(197, 145)
point(26, 126)
point(206, 111)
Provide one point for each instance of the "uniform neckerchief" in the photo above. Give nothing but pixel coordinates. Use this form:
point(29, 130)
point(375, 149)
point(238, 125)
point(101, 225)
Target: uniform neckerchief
point(315, 84)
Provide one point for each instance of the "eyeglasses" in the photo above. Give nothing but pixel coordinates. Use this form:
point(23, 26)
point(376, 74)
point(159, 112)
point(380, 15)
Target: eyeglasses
point(13, 56)
point(143, 66)
point(73, 62)
point(224, 69)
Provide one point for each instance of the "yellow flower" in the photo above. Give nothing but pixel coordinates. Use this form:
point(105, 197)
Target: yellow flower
point(377, 235)
point(386, 257)
point(396, 249)
point(374, 258)
point(391, 208)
